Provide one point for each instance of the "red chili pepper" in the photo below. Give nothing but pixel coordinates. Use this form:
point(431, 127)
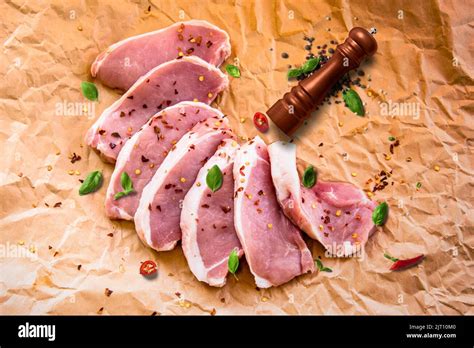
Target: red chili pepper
point(148, 268)
point(261, 122)
point(401, 264)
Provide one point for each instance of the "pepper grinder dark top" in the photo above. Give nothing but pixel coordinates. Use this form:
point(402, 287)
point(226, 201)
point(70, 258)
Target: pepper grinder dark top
point(297, 105)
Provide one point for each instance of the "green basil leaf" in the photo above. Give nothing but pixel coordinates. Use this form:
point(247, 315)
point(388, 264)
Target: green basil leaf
point(310, 65)
point(91, 183)
point(321, 267)
point(233, 262)
point(126, 182)
point(123, 193)
point(233, 70)
point(391, 258)
point(293, 73)
point(390, 138)
point(353, 102)
point(380, 214)
point(309, 177)
point(89, 90)
point(127, 186)
point(214, 178)
point(418, 185)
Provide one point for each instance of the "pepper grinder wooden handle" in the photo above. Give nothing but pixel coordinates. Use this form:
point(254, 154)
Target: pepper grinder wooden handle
point(297, 105)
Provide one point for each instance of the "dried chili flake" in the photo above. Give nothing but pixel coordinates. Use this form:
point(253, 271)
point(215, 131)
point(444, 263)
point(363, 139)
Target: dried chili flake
point(74, 157)
point(79, 267)
point(130, 97)
point(158, 207)
point(226, 208)
point(167, 186)
point(110, 234)
point(115, 135)
point(208, 44)
point(101, 131)
point(205, 206)
point(112, 146)
point(57, 205)
point(108, 292)
point(144, 159)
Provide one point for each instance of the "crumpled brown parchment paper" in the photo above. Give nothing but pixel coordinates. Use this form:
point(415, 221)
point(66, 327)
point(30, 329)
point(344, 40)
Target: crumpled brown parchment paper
point(424, 57)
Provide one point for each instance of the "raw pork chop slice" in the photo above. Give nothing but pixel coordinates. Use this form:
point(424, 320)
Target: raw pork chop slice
point(273, 246)
point(123, 63)
point(189, 78)
point(158, 214)
point(146, 150)
point(207, 220)
point(337, 214)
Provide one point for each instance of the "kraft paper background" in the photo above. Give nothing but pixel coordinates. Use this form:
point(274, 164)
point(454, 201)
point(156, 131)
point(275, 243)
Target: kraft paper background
point(424, 57)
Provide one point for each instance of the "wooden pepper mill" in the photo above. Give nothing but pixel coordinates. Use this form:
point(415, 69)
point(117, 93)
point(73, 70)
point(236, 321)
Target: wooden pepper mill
point(297, 105)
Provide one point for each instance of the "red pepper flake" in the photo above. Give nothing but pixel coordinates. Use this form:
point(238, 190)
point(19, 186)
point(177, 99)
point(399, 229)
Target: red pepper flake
point(79, 267)
point(260, 192)
point(57, 205)
point(130, 112)
point(50, 247)
point(213, 312)
point(144, 106)
point(144, 159)
point(101, 131)
point(226, 208)
point(74, 158)
point(112, 146)
point(168, 102)
point(101, 309)
point(108, 292)
point(205, 206)
point(157, 129)
point(403, 264)
point(261, 122)
point(178, 294)
point(158, 207)
point(241, 170)
point(199, 40)
point(122, 114)
point(190, 51)
point(130, 97)
point(175, 91)
point(208, 44)
point(56, 253)
point(110, 234)
point(178, 190)
point(154, 314)
point(167, 186)
point(115, 135)
point(148, 268)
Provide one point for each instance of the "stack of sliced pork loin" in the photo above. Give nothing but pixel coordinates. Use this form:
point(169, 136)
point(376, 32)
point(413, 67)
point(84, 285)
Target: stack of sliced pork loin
point(164, 135)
